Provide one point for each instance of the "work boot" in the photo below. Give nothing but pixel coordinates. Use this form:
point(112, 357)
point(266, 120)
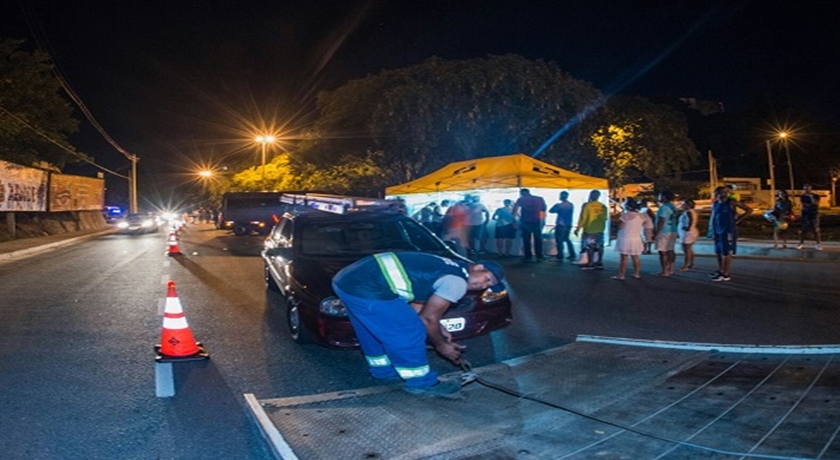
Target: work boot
point(450, 389)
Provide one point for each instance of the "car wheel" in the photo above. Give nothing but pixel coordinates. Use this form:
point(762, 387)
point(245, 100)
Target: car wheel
point(240, 230)
point(297, 330)
point(270, 284)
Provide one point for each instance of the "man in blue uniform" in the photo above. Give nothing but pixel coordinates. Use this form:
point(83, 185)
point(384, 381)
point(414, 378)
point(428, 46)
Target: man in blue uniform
point(395, 302)
point(723, 223)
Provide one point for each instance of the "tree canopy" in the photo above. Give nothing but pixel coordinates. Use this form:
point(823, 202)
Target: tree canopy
point(31, 108)
point(638, 139)
point(421, 118)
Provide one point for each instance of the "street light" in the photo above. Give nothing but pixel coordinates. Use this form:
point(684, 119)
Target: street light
point(784, 136)
point(264, 140)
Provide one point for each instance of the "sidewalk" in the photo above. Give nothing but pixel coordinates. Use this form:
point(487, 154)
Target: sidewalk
point(24, 247)
point(764, 248)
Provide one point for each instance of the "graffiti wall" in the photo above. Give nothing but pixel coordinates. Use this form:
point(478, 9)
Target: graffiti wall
point(30, 189)
point(76, 193)
point(22, 188)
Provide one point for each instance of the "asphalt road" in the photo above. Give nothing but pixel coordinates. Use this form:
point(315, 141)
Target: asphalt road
point(77, 327)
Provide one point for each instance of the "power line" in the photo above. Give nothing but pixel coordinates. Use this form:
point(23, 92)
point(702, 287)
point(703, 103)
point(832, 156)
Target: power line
point(58, 144)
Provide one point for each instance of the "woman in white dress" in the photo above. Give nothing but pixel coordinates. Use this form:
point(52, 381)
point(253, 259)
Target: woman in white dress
point(629, 241)
point(688, 233)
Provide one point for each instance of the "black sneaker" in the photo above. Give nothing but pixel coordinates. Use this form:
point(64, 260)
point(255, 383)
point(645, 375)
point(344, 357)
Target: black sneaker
point(721, 277)
point(586, 267)
point(450, 389)
point(598, 266)
point(715, 274)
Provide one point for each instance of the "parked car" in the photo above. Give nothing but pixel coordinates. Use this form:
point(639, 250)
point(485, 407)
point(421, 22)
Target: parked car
point(305, 250)
point(137, 223)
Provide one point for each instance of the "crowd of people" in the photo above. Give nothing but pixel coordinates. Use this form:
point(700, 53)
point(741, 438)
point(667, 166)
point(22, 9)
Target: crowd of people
point(641, 230)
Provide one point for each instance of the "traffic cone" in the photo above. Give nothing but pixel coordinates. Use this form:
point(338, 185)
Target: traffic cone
point(177, 342)
point(173, 245)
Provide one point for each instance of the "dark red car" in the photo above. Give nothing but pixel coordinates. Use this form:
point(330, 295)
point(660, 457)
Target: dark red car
point(306, 249)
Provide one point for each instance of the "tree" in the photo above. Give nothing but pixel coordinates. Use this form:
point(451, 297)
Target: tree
point(641, 140)
point(421, 118)
point(31, 109)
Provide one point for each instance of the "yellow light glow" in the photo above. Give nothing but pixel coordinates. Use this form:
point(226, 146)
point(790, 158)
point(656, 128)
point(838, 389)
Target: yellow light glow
point(205, 173)
point(265, 139)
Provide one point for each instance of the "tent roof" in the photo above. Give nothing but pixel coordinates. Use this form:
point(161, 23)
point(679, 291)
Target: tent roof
point(518, 170)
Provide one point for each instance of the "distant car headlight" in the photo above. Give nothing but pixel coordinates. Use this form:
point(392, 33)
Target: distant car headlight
point(332, 306)
point(170, 216)
point(122, 224)
point(489, 296)
point(148, 223)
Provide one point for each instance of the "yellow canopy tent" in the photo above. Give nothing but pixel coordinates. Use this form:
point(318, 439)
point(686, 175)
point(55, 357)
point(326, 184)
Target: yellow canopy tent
point(518, 170)
point(494, 179)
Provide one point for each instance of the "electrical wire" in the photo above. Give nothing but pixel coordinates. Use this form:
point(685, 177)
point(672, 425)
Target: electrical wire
point(43, 44)
point(58, 144)
point(630, 428)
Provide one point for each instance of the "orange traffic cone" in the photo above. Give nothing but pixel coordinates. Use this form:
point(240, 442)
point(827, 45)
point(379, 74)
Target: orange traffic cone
point(173, 245)
point(177, 342)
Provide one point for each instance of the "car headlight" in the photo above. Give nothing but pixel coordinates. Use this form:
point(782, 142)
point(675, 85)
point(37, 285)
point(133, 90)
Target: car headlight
point(122, 225)
point(332, 306)
point(489, 296)
point(148, 223)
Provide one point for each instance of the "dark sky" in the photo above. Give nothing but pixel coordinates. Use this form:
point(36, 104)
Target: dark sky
point(179, 82)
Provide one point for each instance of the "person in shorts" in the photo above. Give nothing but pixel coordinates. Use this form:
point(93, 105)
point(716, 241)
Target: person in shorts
point(505, 230)
point(593, 221)
point(665, 232)
point(725, 219)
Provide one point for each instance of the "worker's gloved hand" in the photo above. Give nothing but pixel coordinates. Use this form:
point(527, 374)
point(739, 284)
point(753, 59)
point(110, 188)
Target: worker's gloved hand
point(451, 351)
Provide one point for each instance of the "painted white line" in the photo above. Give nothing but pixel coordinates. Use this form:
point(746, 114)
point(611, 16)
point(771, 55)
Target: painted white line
point(279, 447)
point(721, 347)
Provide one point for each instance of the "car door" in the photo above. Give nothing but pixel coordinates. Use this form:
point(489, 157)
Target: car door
point(279, 257)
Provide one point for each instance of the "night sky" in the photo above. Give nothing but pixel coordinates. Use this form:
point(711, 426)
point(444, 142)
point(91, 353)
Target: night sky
point(184, 82)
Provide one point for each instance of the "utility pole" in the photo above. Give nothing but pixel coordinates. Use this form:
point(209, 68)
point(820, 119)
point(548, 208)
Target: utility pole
point(712, 174)
point(772, 175)
point(132, 185)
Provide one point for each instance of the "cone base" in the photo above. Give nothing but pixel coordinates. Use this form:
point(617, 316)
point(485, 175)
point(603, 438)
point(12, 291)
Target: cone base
point(200, 355)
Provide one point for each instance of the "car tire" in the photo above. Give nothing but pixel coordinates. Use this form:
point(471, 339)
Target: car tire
point(270, 284)
point(297, 331)
point(240, 230)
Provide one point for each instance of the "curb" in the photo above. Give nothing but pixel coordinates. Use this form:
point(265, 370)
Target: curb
point(21, 253)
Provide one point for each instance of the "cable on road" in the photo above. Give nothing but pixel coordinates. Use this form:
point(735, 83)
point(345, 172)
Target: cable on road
point(468, 376)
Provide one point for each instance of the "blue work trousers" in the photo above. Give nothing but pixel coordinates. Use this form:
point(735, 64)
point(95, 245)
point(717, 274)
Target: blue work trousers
point(392, 337)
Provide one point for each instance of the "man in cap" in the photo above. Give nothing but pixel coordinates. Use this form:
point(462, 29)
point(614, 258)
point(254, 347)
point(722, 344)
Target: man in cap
point(395, 301)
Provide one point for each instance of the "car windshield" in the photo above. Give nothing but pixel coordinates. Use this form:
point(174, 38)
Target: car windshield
point(355, 237)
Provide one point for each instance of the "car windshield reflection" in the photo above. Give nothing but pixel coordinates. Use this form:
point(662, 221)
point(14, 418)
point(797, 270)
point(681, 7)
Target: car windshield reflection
point(361, 238)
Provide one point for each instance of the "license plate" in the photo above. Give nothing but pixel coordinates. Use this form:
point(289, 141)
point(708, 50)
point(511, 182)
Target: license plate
point(453, 324)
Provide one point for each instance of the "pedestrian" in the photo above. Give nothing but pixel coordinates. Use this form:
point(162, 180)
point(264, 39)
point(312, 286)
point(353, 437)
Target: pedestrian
point(810, 203)
point(530, 211)
point(593, 221)
point(783, 216)
point(665, 232)
point(688, 233)
point(629, 241)
point(725, 219)
point(455, 226)
point(443, 209)
point(563, 225)
point(505, 231)
point(477, 217)
point(648, 236)
point(395, 302)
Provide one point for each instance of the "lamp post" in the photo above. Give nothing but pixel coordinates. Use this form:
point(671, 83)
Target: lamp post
point(772, 176)
point(264, 140)
point(784, 137)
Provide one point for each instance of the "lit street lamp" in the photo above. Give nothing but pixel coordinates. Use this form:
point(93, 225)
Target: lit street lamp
point(784, 137)
point(264, 140)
